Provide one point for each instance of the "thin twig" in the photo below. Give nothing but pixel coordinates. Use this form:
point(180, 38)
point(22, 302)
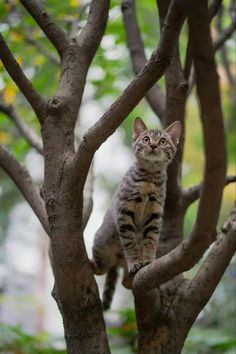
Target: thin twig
point(13, 68)
point(155, 96)
point(28, 133)
point(42, 49)
point(53, 32)
point(193, 193)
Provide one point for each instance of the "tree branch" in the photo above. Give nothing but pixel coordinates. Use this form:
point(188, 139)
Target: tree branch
point(131, 96)
point(14, 70)
point(88, 197)
point(53, 32)
point(184, 256)
point(78, 57)
point(193, 193)
point(154, 96)
point(227, 33)
point(28, 133)
point(23, 181)
point(213, 10)
point(90, 37)
point(205, 281)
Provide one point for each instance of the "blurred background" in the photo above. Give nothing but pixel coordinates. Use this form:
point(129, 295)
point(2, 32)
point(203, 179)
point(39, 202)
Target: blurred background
point(30, 321)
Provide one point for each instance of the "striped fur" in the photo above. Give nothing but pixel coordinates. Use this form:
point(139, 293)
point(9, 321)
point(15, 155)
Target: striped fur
point(128, 235)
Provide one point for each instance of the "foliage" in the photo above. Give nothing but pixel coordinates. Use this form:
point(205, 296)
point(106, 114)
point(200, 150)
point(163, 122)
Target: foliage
point(125, 332)
point(9, 196)
point(209, 341)
point(13, 339)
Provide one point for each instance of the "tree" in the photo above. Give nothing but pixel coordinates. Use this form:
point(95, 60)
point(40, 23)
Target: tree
point(166, 303)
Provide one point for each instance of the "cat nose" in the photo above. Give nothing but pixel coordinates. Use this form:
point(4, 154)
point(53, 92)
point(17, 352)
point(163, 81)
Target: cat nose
point(153, 145)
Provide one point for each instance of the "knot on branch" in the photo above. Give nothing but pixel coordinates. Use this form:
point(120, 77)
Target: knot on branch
point(230, 224)
point(184, 86)
point(125, 5)
point(161, 60)
point(57, 104)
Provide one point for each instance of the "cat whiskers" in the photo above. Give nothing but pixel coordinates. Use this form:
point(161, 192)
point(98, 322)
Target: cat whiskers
point(164, 156)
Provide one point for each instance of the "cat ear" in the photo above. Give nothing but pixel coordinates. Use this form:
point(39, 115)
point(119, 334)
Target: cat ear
point(139, 127)
point(174, 130)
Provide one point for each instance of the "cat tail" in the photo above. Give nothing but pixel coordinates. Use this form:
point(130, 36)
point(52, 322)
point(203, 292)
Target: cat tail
point(109, 287)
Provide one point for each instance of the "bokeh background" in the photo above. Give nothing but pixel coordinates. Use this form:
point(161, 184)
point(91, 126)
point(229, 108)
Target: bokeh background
point(30, 322)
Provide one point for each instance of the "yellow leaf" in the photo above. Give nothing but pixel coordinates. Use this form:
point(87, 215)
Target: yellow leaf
point(19, 60)
point(16, 36)
point(74, 3)
point(39, 60)
point(5, 138)
point(9, 94)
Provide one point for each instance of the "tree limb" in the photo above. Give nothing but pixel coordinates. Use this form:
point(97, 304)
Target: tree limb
point(155, 96)
point(28, 133)
point(135, 91)
point(53, 32)
point(213, 10)
point(78, 56)
point(88, 197)
point(91, 35)
point(205, 281)
point(193, 193)
point(23, 181)
point(184, 256)
point(227, 33)
point(14, 70)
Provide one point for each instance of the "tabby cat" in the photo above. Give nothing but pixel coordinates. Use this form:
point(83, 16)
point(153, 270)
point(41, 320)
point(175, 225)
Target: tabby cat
point(128, 235)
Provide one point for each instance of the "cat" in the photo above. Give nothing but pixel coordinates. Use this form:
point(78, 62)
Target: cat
point(128, 235)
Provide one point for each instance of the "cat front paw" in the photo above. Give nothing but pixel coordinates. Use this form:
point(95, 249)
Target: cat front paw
point(147, 261)
point(134, 267)
point(98, 270)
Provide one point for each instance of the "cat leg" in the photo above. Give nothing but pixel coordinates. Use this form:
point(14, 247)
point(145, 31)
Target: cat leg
point(127, 282)
point(151, 231)
point(106, 247)
point(128, 240)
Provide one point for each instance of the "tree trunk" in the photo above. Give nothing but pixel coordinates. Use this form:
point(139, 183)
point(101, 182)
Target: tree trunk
point(75, 287)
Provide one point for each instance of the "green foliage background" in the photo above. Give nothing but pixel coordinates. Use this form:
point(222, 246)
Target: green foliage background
point(215, 329)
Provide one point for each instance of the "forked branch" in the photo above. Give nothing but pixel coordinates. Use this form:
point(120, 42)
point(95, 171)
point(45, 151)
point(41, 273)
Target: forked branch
point(78, 56)
point(23, 181)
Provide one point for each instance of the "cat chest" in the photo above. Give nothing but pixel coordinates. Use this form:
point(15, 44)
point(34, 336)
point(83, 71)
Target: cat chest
point(149, 200)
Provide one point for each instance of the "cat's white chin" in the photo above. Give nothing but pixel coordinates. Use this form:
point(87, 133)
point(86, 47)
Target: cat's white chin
point(154, 158)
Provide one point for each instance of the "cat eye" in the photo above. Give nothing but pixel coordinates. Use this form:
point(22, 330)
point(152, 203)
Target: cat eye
point(163, 142)
point(146, 140)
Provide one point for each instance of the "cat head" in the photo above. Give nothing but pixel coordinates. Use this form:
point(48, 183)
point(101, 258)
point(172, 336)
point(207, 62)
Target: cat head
point(155, 145)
